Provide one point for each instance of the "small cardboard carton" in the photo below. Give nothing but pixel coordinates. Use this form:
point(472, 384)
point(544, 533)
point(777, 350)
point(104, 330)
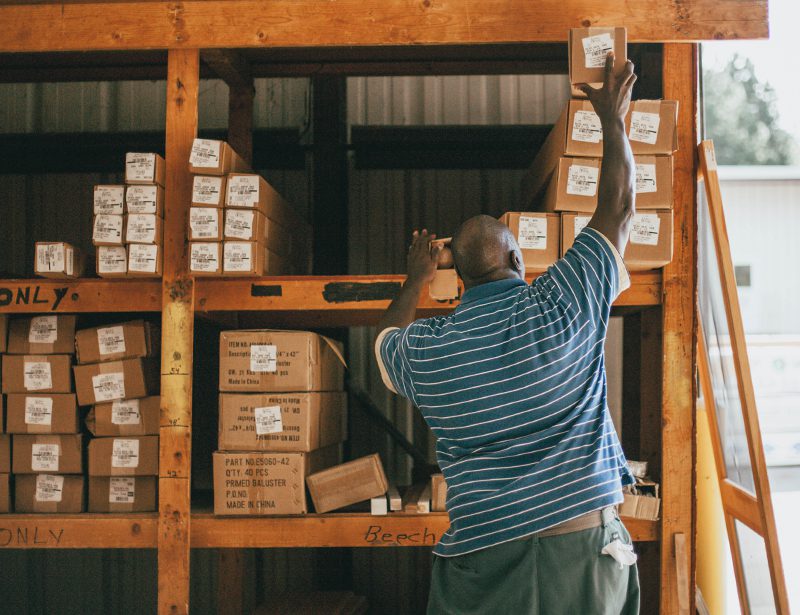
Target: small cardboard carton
point(348, 483)
point(249, 191)
point(653, 182)
point(276, 265)
point(209, 191)
point(56, 413)
point(5, 453)
point(143, 228)
point(444, 286)
point(109, 199)
point(112, 261)
point(57, 259)
point(52, 454)
point(125, 379)
point(127, 340)
point(438, 493)
point(48, 493)
point(122, 493)
point(587, 51)
point(245, 225)
point(52, 334)
point(145, 199)
point(205, 224)
point(651, 126)
point(268, 360)
point(144, 260)
point(5, 493)
point(125, 417)
point(538, 235)
point(123, 456)
point(108, 230)
point(243, 258)
point(573, 186)
point(145, 169)
point(205, 258)
point(292, 422)
point(212, 157)
point(48, 373)
point(641, 500)
point(259, 483)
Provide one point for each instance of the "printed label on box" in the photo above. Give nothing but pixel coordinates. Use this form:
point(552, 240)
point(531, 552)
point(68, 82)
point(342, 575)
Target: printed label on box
point(264, 358)
point(108, 387)
point(141, 199)
point(107, 229)
point(238, 256)
point(50, 257)
point(109, 199)
point(125, 412)
point(243, 191)
point(44, 330)
point(205, 153)
point(646, 178)
point(268, 420)
point(38, 411)
point(140, 167)
point(122, 490)
point(141, 228)
point(644, 229)
point(206, 190)
point(532, 233)
point(142, 258)
point(49, 487)
point(112, 259)
point(239, 224)
point(37, 376)
point(44, 457)
point(204, 257)
point(644, 127)
point(111, 340)
point(69, 256)
point(204, 222)
point(596, 48)
point(582, 180)
point(125, 453)
point(586, 127)
point(580, 223)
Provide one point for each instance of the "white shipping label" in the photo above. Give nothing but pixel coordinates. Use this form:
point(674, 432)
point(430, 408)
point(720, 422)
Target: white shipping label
point(206, 190)
point(205, 153)
point(112, 259)
point(122, 490)
point(50, 257)
point(204, 222)
point(646, 178)
point(239, 224)
point(69, 256)
point(644, 127)
point(582, 180)
point(532, 233)
point(125, 412)
point(44, 330)
point(37, 376)
point(125, 453)
point(38, 411)
point(238, 256)
point(580, 223)
point(108, 387)
point(49, 487)
point(111, 340)
point(141, 199)
point(268, 420)
point(140, 167)
point(586, 127)
point(596, 48)
point(109, 199)
point(142, 258)
point(44, 457)
point(141, 228)
point(644, 229)
point(243, 191)
point(264, 358)
point(107, 228)
point(204, 257)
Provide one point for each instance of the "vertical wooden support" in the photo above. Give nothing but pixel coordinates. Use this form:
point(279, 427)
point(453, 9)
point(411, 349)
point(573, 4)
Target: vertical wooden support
point(174, 489)
point(240, 119)
point(680, 334)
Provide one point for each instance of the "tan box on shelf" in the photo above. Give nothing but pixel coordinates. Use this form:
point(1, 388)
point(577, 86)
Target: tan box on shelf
point(125, 417)
point(47, 373)
point(112, 261)
point(245, 225)
point(212, 157)
point(641, 501)
point(3, 333)
point(538, 235)
point(243, 258)
point(444, 286)
point(5, 493)
point(260, 360)
point(123, 456)
point(348, 483)
point(209, 191)
point(145, 199)
point(147, 168)
point(651, 126)
point(206, 224)
point(144, 260)
point(653, 182)
point(108, 494)
point(205, 258)
point(127, 340)
point(48, 493)
point(58, 259)
point(250, 191)
point(143, 229)
point(5, 453)
point(573, 186)
point(259, 483)
point(108, 230)
point(51, 334)
point(56, 413)
point(126, 379)
point(277, 265)
point(109, 199)
point(51, 454)
point(291, 422)
point(587, 51)
point(438, 493)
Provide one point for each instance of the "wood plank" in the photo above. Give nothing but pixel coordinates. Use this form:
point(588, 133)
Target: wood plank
point(741, 505)
point(682, 574)
point(30, 296)
point(240, 120)
point(83, 531)
point(230, 66)
point(310, 23)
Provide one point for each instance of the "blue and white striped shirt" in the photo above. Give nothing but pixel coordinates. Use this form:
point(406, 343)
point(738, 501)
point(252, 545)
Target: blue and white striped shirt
point(513, 385)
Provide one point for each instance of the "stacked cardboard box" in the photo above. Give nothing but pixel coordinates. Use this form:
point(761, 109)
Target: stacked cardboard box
point(641, 500)
point(58, 259)
point(538, 236)
point(282, 416)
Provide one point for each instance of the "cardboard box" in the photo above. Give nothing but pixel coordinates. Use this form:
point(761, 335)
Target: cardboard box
point(144, 260)
point(249, 191)
point(145, 199)
point(444, 286)
point(126, 379)
point(266, 360)
point(641, 501)
point(124, 456)
point(112, 261)
point(122, 493)
point(127, 340)
point(205, 258)
point(209, 191)
point(143, 228)
point(57, 259)
point(244, 225)
point(348, 483)
point(571, 225)
point(653, 182)
point(48, 493)
point(277, 265)
point(49, 373)
point(5, 453)
point(5, 493)
point(51, 334)
point(292, 422)
point(438, 493)
point(108, 230)
point(205, 224)
point(144, 169)
point(258, 483)
point(125, 417)
point(2, 413)
point(587, 51)
point(573, 186)
point(538, 235)
point(211, 157)
point(56, 413)
point(109, 199)
point(3, 333)
point(51, 454)
point(243, 258)
point(651, 126)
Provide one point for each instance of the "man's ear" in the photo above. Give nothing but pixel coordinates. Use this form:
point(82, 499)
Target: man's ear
point(515, 258)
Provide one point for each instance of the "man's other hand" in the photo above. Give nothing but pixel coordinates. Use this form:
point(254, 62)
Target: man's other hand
point(422, 257)
point(611, 101)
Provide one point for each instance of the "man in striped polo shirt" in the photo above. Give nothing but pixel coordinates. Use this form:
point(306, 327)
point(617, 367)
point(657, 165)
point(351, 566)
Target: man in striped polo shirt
point(513, 385)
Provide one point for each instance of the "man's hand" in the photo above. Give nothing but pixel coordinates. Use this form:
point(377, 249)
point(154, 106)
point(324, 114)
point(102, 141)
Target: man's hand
point(422, 257)
point(611, 101)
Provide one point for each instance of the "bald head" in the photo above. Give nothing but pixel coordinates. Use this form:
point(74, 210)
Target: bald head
point(484, 250)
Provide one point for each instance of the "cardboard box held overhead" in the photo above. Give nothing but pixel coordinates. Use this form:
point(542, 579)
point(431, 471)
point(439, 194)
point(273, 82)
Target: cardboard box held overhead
point(55, 413)
point(129, 378)
point(587, 51)
point(124, 456)
point(348, 483)
point(122, 493)
point(52, 454)
point(42, 335)
point(538, 235)
point(127, 340)
point(48, 373)
point(125, 417)
point(48, 493)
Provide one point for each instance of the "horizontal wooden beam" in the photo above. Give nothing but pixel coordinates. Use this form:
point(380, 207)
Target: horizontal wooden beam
point(79, 531)
point(742, 505)
point(311, 23)
point(41, 295)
